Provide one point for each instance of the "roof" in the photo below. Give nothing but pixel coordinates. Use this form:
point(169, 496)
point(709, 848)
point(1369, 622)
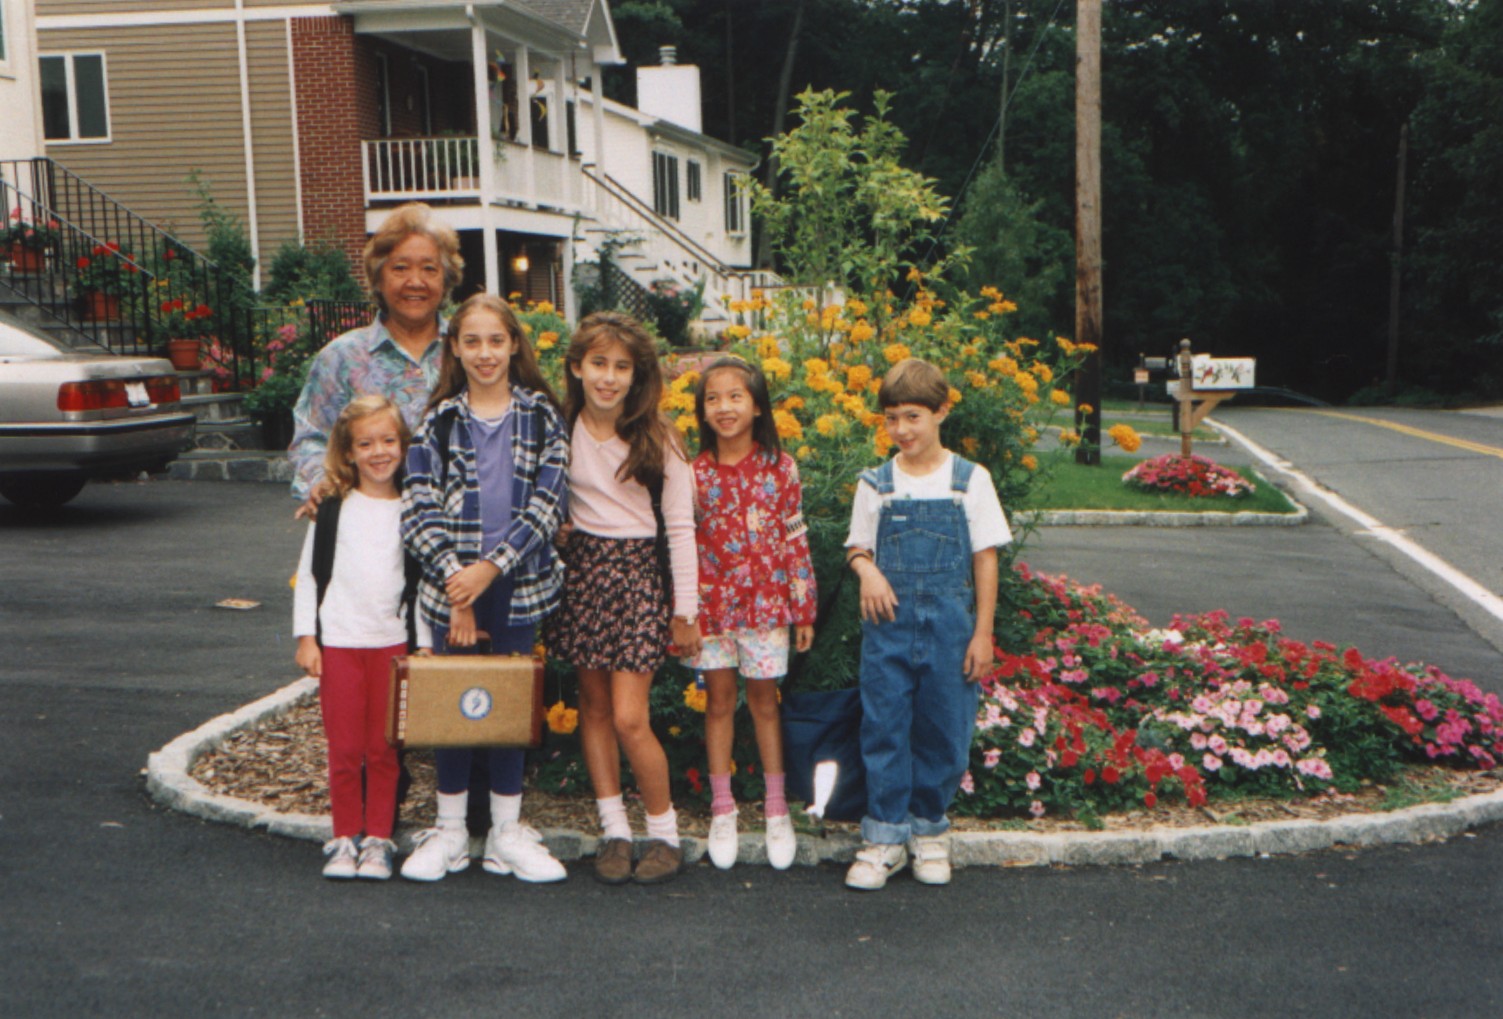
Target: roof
point(571, 14)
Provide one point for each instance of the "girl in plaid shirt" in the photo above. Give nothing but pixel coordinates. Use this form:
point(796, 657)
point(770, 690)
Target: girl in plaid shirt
point(486, 482)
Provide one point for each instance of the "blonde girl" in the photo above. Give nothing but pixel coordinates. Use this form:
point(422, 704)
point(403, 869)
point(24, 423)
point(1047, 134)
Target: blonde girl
point(486, 482)
point(614, 624)
point(350, 617)
point(755, 581)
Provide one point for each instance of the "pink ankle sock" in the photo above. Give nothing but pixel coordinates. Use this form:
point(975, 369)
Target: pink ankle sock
point(721, 801)
point(776, 803)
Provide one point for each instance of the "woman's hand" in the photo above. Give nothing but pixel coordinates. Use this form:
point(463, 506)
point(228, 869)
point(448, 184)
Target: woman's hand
point(461, 627)
point(470, 583)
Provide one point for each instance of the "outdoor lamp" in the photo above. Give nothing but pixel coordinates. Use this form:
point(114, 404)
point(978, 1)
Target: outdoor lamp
point(521, 264)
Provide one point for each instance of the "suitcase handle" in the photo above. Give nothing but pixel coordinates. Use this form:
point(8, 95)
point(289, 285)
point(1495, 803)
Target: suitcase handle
point(482, 645)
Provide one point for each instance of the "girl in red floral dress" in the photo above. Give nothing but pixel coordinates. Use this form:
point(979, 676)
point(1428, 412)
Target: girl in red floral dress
point(755, 581)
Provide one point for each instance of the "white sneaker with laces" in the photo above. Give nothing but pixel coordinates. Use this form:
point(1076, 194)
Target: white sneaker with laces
point(375, 859)
point(931, 859)
point(517, 849)
point(439, 851)
point(724, 842)
point(342, 858)
point(782, 843)
point(875, 863)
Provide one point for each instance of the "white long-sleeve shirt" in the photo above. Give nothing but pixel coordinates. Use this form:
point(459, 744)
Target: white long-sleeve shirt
point(362, 606)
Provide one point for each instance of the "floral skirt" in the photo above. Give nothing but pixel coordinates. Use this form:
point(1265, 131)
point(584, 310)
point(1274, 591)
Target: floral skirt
point(614, 613)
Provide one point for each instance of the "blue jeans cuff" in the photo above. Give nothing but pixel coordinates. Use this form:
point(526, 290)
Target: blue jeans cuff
point(885, 833)
point(925, 828)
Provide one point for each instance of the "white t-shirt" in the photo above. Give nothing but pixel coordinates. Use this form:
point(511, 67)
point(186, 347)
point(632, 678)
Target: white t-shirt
point(983, 510)
point(363, 603)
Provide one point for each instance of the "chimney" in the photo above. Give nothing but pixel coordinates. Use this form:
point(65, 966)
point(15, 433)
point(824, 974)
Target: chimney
point(670, 91)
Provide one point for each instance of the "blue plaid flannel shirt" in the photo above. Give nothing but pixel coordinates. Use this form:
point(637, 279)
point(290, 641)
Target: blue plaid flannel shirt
point(441, 508)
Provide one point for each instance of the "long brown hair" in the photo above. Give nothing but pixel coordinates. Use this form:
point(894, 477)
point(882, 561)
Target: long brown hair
point(339, 470)
point(523, 369)
point(641, 425)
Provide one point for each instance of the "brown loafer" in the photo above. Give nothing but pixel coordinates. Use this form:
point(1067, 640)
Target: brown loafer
point(613, 861)
point(660, 862)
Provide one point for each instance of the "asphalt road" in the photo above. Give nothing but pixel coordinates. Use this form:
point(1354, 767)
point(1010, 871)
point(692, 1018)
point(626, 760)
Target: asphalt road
point(112, 906)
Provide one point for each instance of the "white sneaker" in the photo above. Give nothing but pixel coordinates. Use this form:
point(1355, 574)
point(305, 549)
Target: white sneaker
point(724, 842)
point(517, 849)
point(931, 859)
point(782, 843)
point(342, 858)
point(875, 863)
point(439, 851)
point(375, 859)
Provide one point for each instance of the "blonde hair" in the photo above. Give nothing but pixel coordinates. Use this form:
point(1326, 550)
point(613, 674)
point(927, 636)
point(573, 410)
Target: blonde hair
point(404, 222)
point(914, 381)
point(523, 370)
point(339, 471)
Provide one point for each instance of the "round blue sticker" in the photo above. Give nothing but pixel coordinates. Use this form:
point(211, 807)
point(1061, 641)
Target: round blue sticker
point(475, 703)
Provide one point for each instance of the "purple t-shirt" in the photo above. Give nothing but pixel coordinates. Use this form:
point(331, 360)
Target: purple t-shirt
point(493, 461)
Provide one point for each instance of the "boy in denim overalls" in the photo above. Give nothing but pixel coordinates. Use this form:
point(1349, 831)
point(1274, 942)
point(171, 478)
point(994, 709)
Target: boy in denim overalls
point(925, 528)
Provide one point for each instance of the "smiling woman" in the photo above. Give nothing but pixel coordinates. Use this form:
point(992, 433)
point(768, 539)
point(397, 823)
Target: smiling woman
point(411, 264)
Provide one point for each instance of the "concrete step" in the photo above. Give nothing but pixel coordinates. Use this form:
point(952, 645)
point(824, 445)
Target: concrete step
point(215, 406)
point(230, 435)
point(233, 465)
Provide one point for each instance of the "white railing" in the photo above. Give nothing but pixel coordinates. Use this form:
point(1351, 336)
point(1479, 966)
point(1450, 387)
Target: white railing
point(407, 169)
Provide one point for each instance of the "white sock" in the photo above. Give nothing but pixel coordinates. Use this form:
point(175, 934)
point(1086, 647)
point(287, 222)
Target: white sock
point(505, 809)
point(613, 820)
point(452, 808)
point(664, 826)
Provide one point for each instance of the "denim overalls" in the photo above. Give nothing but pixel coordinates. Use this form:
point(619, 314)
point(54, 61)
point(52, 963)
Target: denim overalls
point(918, 710)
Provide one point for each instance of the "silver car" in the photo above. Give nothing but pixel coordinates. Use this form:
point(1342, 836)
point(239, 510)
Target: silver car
point(71, 414)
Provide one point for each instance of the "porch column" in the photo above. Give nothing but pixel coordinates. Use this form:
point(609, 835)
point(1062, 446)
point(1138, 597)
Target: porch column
point(597, 103)
point(558, 127)
point(571, 306)
point(484, 130)
point(524, 124)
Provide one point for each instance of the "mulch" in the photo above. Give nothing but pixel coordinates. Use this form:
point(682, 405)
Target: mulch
point(281, 764)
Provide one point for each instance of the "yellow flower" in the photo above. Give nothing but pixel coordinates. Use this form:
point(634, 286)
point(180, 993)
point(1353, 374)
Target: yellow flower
point(1085, 408)
point(767, 346)
point(739, 307)
point(862, 331)
point(543, 307)
point(978, 379)
point(548, 340)
point(895, 352)
point(1003, 365)
point(970, 445)
point(686, 423)
point(1086, 348)
point(777, 368)
point(1058, 397)
point(981, 316)
point(1124, 436)
point(991, 292)
point(1027, 383)
point(1030, 435)
point(970, 350)
point(738, 331)
point(954, 396)
point(856, 308)
point(1030, 462)
point(857, 377)
point(787, 425)
point(816, 366)
point(919, 317)
point(809, 304)
point(562, 719)
point(1001, 307)
point(874, 386)
point(914, 275)
point(1069, 437)
point(870, 418)
point(1065, 346)
point(681, 401)
point(695, 698)
point(1024, 341)
point(1044, 372)
point(803, 453)
point(675, 730)
point(825, 424)
point(881, 440)
point(794, 403)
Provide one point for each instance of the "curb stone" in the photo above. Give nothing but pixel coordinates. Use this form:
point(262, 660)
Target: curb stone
point(168, 782)
point(1160, 518)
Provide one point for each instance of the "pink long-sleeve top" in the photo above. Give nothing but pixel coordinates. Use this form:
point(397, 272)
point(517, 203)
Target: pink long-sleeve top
point(603, 505)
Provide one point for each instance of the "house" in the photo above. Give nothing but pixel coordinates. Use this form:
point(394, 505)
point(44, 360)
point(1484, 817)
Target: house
point(21, 127)
point(312, 120)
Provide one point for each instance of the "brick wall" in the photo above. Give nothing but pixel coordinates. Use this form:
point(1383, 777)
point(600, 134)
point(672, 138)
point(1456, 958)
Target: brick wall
point(336, 108)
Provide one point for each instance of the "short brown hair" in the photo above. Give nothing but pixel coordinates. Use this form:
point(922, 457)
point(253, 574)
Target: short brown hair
point(914, 381)
point(404, 221)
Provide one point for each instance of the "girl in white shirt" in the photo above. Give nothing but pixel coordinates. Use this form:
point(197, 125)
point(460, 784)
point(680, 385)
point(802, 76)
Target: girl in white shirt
point(348, 633)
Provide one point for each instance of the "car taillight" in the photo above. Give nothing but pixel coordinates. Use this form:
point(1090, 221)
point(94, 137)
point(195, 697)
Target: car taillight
point(163, 389)
point(100, 394)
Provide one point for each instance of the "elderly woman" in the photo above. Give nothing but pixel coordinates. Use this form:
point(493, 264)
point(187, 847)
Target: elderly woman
point(412, 264)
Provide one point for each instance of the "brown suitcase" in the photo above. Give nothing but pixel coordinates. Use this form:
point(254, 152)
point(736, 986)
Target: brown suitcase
point(465, 701)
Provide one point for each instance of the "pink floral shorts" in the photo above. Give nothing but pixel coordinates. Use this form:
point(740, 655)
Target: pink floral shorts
point(756, 654)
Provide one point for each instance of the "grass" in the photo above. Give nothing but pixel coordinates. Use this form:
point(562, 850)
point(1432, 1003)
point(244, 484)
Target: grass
point(1069, 485)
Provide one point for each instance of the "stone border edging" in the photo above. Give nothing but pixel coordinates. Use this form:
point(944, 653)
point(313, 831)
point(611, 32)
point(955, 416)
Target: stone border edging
point(1162, 518)
point(168, 782)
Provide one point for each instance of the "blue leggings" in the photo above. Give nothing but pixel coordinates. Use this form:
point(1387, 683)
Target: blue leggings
point(505, 765)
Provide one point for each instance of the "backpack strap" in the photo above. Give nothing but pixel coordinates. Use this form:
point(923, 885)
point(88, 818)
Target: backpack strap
point(325, 534)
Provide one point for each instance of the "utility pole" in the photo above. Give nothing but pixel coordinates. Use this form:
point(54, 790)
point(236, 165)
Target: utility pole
point(1391, 379)
point(1088, 225)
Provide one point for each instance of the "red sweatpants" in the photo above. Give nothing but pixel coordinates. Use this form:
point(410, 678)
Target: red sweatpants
point(352, 692)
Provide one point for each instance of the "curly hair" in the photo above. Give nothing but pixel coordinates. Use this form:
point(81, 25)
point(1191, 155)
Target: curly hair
point(404, 221)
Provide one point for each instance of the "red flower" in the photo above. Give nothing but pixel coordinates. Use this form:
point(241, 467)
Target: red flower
point(1110, 775)
point(82, 263)
point(1150, 800)
point(1089, 778)
point(694, 780)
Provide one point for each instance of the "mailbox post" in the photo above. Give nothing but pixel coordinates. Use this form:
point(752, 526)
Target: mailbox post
point(1204, 382)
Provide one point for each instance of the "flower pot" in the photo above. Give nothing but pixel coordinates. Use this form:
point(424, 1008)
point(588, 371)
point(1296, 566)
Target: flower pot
point(184, 354)
point(24, 259)
point(99, 307)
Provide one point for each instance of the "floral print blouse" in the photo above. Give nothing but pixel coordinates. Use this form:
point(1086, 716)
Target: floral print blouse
point(754, 567)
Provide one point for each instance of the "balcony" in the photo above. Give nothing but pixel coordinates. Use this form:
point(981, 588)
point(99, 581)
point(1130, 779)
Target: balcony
point(448, 168)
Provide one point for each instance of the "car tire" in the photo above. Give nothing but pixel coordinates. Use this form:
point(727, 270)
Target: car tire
point(41, 491)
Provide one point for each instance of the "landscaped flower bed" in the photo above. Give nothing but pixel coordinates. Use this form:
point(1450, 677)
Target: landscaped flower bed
point(1187, 475)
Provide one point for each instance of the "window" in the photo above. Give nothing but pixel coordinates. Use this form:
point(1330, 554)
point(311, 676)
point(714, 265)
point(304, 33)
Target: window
point(692, 187)
point(75, 106)
point(735, 205)
point(4, 49)
point(383, 95)
point(665, 185)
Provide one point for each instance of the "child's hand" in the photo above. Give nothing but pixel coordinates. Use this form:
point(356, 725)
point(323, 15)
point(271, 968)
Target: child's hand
point(309, 657)
point(562, 537)
point(878, 602)
point(462, 627)
point(978, 657)
point(803, 638)
point(684, 637)
point(470, 583)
